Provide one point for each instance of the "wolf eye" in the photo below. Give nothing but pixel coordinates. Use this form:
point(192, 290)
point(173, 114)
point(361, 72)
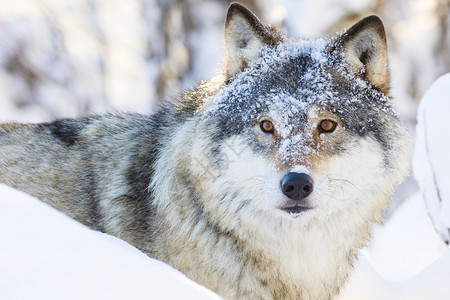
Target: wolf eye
point(327, 126)
point(267, 126)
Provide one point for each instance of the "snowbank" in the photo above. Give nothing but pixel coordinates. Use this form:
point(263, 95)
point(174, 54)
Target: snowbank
point(431, 158)
point(46, 255)
point(407, 260)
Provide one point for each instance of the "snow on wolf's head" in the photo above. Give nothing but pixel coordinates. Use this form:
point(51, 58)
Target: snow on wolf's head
point(300, 130)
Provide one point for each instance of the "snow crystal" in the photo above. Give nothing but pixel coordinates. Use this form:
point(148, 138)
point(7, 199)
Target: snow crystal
point(300, 169)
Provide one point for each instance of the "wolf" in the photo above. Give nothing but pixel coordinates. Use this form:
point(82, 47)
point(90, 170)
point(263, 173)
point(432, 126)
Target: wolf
point(261, 183)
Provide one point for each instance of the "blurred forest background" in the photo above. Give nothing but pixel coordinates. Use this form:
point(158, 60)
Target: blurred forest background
point(70, 58)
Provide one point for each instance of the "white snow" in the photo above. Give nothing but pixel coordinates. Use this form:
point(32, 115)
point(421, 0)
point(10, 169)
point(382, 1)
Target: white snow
point(407, 260)
point(300, 169)
point(407, 243)
point(431, 164)
point(46, 255)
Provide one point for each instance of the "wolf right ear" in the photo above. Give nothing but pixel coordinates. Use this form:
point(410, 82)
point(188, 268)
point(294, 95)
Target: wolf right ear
point(244, 37)
point(365, 50)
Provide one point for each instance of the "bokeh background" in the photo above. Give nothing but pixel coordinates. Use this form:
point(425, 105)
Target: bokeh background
point(71, 58)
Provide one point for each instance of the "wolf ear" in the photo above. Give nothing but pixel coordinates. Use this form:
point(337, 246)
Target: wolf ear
point(365, 50)
point(244, 37)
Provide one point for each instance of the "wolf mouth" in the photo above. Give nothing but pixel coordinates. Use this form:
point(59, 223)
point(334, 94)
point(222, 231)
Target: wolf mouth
point(293, 210)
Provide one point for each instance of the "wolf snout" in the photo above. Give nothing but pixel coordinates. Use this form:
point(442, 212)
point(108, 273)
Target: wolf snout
point(297, 186)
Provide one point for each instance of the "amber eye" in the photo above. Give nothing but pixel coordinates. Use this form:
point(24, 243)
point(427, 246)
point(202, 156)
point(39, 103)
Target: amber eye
point(267, 126)
point(327, 126)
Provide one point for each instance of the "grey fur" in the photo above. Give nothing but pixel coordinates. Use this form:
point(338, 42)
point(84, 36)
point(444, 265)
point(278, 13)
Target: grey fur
point(165, 183)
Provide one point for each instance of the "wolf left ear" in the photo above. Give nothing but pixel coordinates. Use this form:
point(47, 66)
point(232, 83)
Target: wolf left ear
point(365, 50)
point(244, 37)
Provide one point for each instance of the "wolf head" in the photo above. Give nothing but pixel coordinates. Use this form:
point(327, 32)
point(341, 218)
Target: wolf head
point(298, 147)
point(300, 126)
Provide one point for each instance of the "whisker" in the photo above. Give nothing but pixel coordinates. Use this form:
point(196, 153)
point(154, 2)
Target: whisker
point(338, 183)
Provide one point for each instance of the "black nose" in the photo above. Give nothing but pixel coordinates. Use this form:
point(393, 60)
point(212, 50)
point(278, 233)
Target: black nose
point(297, 186)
